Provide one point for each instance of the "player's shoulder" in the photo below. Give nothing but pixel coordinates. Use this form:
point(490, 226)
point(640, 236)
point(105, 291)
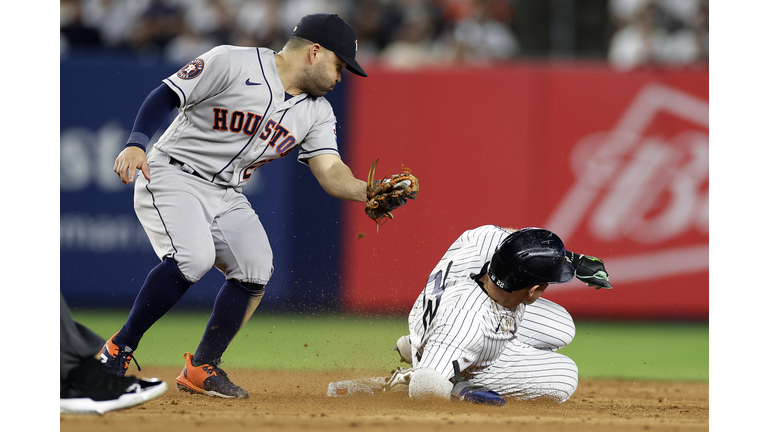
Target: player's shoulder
point(320, 100)
point(238, 57)
point(319, 105)
point(462, 296)
point(482, 238)
point(487, 229)
point(234, 50)
point(244, 49)
point(217, 55)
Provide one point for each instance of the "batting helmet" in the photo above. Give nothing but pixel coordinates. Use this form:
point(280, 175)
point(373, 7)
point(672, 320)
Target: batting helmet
point(528, 257)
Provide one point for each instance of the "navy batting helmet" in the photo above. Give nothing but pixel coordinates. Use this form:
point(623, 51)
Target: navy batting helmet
point(528, 257)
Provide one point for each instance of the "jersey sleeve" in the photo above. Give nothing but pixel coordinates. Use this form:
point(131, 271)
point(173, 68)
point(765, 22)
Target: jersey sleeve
point(457, 337)
point(202, 77)
point(321, 138)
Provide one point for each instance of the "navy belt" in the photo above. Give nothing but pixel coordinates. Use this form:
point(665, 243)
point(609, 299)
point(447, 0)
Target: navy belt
point(184, 167)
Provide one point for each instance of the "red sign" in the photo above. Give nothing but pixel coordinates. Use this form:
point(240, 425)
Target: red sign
point(615, 163)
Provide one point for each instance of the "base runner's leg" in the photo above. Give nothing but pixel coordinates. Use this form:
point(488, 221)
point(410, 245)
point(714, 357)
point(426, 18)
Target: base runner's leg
point(526, 372)
point(529, 367)
point(546, 325)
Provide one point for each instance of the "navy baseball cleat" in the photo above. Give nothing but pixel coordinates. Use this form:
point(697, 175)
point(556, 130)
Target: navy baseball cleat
point(208, 379)
point(465, 390)
point(89, 389)
point(115, 358)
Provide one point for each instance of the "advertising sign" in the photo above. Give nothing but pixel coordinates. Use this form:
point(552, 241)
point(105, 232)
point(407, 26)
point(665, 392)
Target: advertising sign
point(615, 163)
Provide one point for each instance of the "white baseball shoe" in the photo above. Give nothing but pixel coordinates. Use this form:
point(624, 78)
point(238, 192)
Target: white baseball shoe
point(89, 389)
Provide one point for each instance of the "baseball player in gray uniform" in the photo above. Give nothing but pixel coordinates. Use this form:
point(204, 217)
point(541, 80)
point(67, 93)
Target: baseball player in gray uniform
point(238, 109)
point(480, 320)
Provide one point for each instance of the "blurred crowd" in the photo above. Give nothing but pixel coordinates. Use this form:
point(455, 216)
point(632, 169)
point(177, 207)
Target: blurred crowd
point(666, 32)
point(398, 33)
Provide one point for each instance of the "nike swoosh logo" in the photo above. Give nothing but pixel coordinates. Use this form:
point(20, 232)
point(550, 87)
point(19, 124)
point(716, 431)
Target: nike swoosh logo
point(248, 82)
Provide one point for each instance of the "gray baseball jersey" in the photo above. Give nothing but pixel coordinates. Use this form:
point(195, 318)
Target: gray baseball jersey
point(510, 351)
point(234, 117)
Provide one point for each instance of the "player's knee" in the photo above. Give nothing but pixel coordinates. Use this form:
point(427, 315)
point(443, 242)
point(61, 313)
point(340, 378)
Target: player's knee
point(569, 379)
point(569, 333)
point(195, 267)
point(567, 330)
point(427, 383)
point(403, 347)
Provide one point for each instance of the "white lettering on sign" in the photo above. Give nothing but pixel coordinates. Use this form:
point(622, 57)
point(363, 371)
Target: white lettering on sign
point(102, 233)
point(632, 186)
point(87, 158)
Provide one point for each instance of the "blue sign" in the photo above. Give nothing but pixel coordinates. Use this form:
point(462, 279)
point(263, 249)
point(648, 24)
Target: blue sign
point(105, 254)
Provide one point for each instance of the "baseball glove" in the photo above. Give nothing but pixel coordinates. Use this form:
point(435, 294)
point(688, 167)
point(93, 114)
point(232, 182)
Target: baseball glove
point(389, 193)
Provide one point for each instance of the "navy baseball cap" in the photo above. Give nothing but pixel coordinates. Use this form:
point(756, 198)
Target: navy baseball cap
point(333, 33)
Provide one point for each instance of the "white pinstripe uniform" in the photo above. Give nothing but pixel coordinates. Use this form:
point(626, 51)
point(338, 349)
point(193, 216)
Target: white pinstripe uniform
point(455, 319)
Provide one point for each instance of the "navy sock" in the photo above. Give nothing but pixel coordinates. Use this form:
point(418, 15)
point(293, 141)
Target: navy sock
point(233, 307)
point(163, 288)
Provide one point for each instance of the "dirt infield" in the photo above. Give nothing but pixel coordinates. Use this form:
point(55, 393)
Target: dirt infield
point(296, 401)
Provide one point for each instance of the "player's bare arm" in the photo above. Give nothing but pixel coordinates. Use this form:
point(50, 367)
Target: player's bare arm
point(336, 178)
point(128, 161)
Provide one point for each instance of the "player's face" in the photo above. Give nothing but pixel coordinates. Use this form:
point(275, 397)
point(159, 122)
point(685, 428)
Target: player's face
point(321, 77)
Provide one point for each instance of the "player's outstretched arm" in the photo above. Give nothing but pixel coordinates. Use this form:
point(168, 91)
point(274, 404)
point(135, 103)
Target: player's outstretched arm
point(589, 270)
point(336, 178)
point(128, 161)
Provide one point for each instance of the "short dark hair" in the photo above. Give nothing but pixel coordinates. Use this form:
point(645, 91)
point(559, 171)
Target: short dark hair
point(297, 42)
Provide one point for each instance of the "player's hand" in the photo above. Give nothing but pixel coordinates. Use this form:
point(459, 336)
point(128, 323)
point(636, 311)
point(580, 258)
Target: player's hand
point(128, 161)
point(589, 270)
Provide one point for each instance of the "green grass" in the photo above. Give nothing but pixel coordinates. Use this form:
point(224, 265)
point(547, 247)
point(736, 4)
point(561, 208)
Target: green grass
point(642, 351)
point(301, 341)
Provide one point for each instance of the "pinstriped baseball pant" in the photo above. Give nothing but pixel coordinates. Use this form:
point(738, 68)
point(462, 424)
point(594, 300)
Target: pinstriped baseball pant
point(529, 367)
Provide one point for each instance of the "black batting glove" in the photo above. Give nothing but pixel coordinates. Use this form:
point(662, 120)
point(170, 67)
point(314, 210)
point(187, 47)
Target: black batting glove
point(589, 270)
